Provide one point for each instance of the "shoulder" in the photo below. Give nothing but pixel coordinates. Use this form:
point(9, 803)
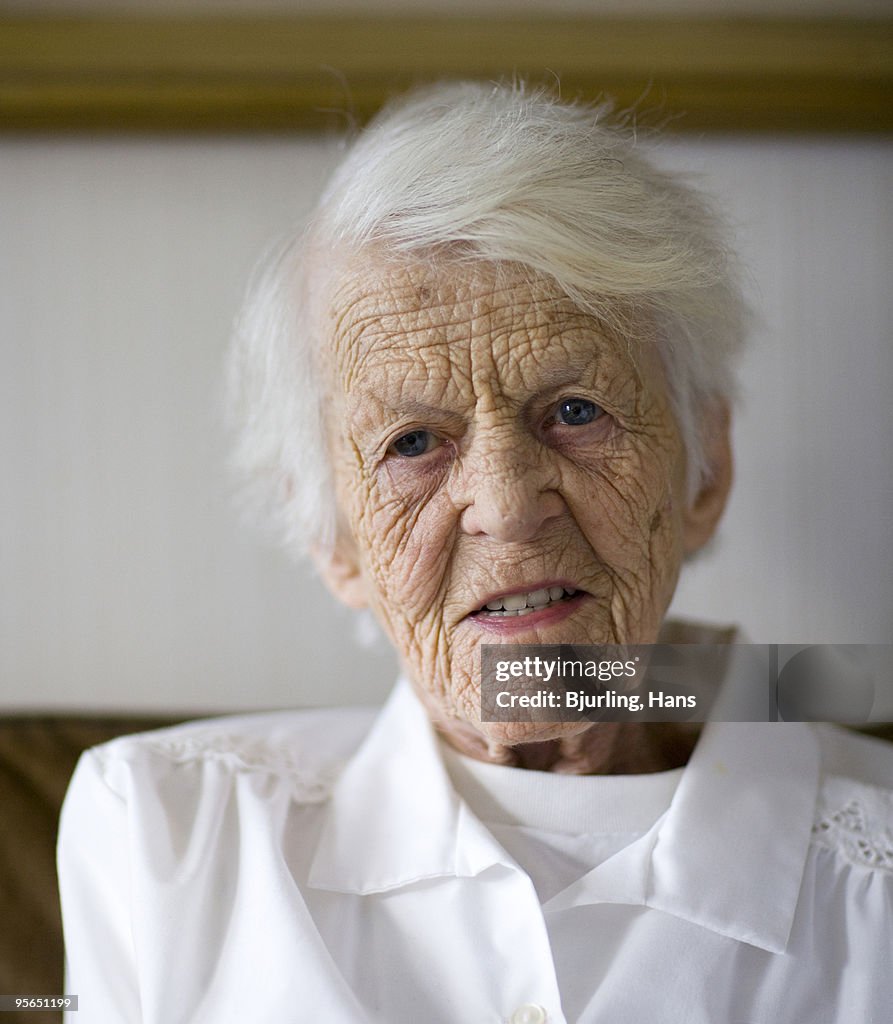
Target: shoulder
point(202, 823)
point(151, 800)
point(854, 813)
point(301, 750)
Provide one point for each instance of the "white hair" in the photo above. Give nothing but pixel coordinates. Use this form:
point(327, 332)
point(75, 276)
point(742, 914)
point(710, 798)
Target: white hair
point(492, 173)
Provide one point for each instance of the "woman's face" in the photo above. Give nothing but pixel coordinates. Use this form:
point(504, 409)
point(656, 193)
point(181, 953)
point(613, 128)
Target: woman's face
point(505, 472)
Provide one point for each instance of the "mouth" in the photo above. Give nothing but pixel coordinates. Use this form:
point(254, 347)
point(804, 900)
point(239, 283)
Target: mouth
point(519, 604)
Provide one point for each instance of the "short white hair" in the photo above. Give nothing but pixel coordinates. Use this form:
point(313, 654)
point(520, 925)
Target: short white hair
point(492, 173)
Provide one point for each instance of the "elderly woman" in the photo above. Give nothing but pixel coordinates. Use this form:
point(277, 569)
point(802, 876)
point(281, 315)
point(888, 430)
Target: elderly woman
point(487, 391)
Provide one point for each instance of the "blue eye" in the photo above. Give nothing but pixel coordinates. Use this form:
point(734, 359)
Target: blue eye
point(577, 412)
point(416, 442)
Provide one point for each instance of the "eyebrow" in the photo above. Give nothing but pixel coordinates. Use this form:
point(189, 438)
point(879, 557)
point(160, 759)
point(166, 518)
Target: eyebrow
point(407, 407)
point(419, 410)
point(566, 376)
point(554, 379)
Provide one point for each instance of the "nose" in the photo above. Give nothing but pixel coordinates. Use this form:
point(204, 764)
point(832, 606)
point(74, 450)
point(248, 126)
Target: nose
point(507, 491)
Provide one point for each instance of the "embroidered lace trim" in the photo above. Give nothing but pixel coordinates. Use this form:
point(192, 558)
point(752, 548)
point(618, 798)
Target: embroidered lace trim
point(309, 785)
point(855, 821)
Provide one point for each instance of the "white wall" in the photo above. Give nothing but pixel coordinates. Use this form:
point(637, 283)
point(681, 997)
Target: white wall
point(806, 548)
point(128, 582)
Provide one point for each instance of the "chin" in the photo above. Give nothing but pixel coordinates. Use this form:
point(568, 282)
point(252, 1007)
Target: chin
point(513, 734)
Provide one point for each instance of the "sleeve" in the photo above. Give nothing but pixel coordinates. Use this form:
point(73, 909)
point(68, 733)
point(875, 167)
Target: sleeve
point(94, 885)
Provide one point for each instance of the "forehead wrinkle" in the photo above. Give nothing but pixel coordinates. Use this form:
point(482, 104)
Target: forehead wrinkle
point(533, 363)
point(469, 329)
point(359, 310)
point(461, 310)
point(401, 340)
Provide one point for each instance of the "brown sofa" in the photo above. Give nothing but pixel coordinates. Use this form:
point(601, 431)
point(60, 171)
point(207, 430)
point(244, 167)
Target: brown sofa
point(38, 753)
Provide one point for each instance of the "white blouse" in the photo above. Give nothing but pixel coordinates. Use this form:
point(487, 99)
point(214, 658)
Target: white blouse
point(322, 866)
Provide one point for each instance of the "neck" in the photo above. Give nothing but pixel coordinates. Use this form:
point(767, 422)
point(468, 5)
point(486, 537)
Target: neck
point(606, 748)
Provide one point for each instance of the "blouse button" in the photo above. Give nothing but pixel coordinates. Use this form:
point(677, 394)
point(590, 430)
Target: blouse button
point(529, 1013)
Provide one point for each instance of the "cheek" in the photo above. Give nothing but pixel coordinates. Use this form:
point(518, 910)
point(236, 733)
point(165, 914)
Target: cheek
point(628, 508)
point(622, 507)
point(406, 532)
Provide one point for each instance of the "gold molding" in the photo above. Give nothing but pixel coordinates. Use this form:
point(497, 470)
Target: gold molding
point(287, 74)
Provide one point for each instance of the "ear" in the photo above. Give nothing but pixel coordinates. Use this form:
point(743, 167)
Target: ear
point(705, 510)
point(339, 567)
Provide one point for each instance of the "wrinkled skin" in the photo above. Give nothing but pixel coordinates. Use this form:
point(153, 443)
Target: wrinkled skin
point(506, 495)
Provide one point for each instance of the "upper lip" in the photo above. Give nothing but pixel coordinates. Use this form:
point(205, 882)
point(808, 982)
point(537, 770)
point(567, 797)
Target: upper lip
point(527, 588)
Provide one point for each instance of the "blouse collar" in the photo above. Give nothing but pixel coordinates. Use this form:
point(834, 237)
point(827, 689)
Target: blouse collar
point(728, 854)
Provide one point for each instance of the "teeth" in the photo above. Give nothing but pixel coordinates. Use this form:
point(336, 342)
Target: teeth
point(524, 604)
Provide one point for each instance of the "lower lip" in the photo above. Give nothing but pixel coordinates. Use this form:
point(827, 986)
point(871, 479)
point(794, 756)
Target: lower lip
point(512, 625)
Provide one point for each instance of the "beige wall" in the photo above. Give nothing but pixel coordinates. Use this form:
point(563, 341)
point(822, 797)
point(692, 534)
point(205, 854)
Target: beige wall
point(127, 580)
